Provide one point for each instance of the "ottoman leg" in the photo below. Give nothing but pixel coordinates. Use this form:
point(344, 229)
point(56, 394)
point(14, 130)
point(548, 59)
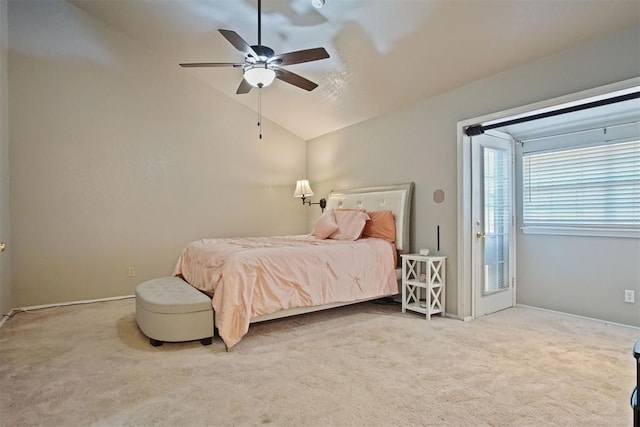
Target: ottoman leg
point(206, 341)
point(155, 343)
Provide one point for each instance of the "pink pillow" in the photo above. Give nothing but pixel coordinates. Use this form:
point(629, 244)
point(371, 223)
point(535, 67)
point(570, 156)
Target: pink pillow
point(326, 225)
point(382, 225)
point(350, 225)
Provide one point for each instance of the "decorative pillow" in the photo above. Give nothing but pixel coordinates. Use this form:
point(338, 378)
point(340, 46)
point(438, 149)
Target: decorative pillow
point(382, 225)
point(350, 225)
point(326, 225)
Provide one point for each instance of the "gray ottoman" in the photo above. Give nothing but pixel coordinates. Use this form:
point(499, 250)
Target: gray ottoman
point(169, 309)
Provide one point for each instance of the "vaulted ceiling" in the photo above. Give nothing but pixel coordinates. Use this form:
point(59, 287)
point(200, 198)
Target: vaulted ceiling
point(384, 53)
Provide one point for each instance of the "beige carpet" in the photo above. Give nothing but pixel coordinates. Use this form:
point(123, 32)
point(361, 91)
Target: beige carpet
point(364, 365)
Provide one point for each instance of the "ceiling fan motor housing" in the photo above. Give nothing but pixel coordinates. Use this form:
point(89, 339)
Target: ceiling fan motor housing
point(263, 52)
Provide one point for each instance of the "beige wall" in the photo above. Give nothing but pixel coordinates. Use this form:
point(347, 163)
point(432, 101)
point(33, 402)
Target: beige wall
point(6, 302)
point(418, 143)
point(119, 159)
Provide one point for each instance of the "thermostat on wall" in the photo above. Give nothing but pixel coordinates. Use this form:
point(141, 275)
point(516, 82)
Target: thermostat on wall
point(424, 251)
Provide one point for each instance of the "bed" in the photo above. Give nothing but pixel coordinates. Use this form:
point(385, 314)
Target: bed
point(263, 278)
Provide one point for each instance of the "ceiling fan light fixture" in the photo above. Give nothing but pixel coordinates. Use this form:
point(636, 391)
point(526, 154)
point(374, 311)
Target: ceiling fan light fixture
point(317, 3)
point(259, 75)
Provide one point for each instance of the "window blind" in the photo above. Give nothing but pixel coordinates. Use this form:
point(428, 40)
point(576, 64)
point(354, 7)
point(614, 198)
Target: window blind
point(588, 187)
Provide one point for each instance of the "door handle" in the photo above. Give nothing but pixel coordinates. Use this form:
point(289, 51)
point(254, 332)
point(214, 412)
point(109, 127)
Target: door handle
point(480, 235)
point(2, 246)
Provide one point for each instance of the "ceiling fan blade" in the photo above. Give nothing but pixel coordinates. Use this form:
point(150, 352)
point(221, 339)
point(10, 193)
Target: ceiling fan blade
point(295, 79)
point(299, 56)
point(211, 64)
point(244, 87)
point(238, 42)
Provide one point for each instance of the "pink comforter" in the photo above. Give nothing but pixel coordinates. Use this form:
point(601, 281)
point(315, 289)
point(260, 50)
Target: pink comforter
point(249, 277)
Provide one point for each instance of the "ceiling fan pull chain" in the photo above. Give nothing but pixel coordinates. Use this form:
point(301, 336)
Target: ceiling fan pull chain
point(260, 111)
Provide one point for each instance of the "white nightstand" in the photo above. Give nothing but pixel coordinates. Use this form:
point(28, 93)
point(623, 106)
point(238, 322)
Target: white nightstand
point(424, 284)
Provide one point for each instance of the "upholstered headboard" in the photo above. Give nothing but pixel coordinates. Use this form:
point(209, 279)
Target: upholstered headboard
point(396, 198)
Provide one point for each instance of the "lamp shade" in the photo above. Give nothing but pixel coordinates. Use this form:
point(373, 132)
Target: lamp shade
point(259, 75)
point(303, 189)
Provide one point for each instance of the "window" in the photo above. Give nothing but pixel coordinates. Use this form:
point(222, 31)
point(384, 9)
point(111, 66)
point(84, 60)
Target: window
point(595, 189)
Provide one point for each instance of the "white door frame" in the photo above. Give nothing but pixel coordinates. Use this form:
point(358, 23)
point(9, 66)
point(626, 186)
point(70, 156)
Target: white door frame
point(465, 267)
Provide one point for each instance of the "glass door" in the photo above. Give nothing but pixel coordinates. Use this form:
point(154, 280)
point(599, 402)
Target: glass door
point(492, 204)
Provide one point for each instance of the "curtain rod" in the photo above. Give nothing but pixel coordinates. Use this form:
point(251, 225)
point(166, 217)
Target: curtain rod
point(475, 130)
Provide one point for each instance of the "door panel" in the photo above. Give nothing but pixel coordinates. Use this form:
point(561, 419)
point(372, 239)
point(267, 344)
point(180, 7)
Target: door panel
point(492, 204)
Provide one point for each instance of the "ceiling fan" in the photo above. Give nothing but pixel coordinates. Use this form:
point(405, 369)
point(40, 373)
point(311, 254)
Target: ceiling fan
point(261, 66)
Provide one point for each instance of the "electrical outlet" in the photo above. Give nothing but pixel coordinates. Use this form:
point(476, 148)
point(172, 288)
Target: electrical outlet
point(630, 296)
point(131, 272)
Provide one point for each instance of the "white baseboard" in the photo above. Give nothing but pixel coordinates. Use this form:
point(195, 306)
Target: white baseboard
point(6, 317)
point(60, 304)
point(604, 322)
